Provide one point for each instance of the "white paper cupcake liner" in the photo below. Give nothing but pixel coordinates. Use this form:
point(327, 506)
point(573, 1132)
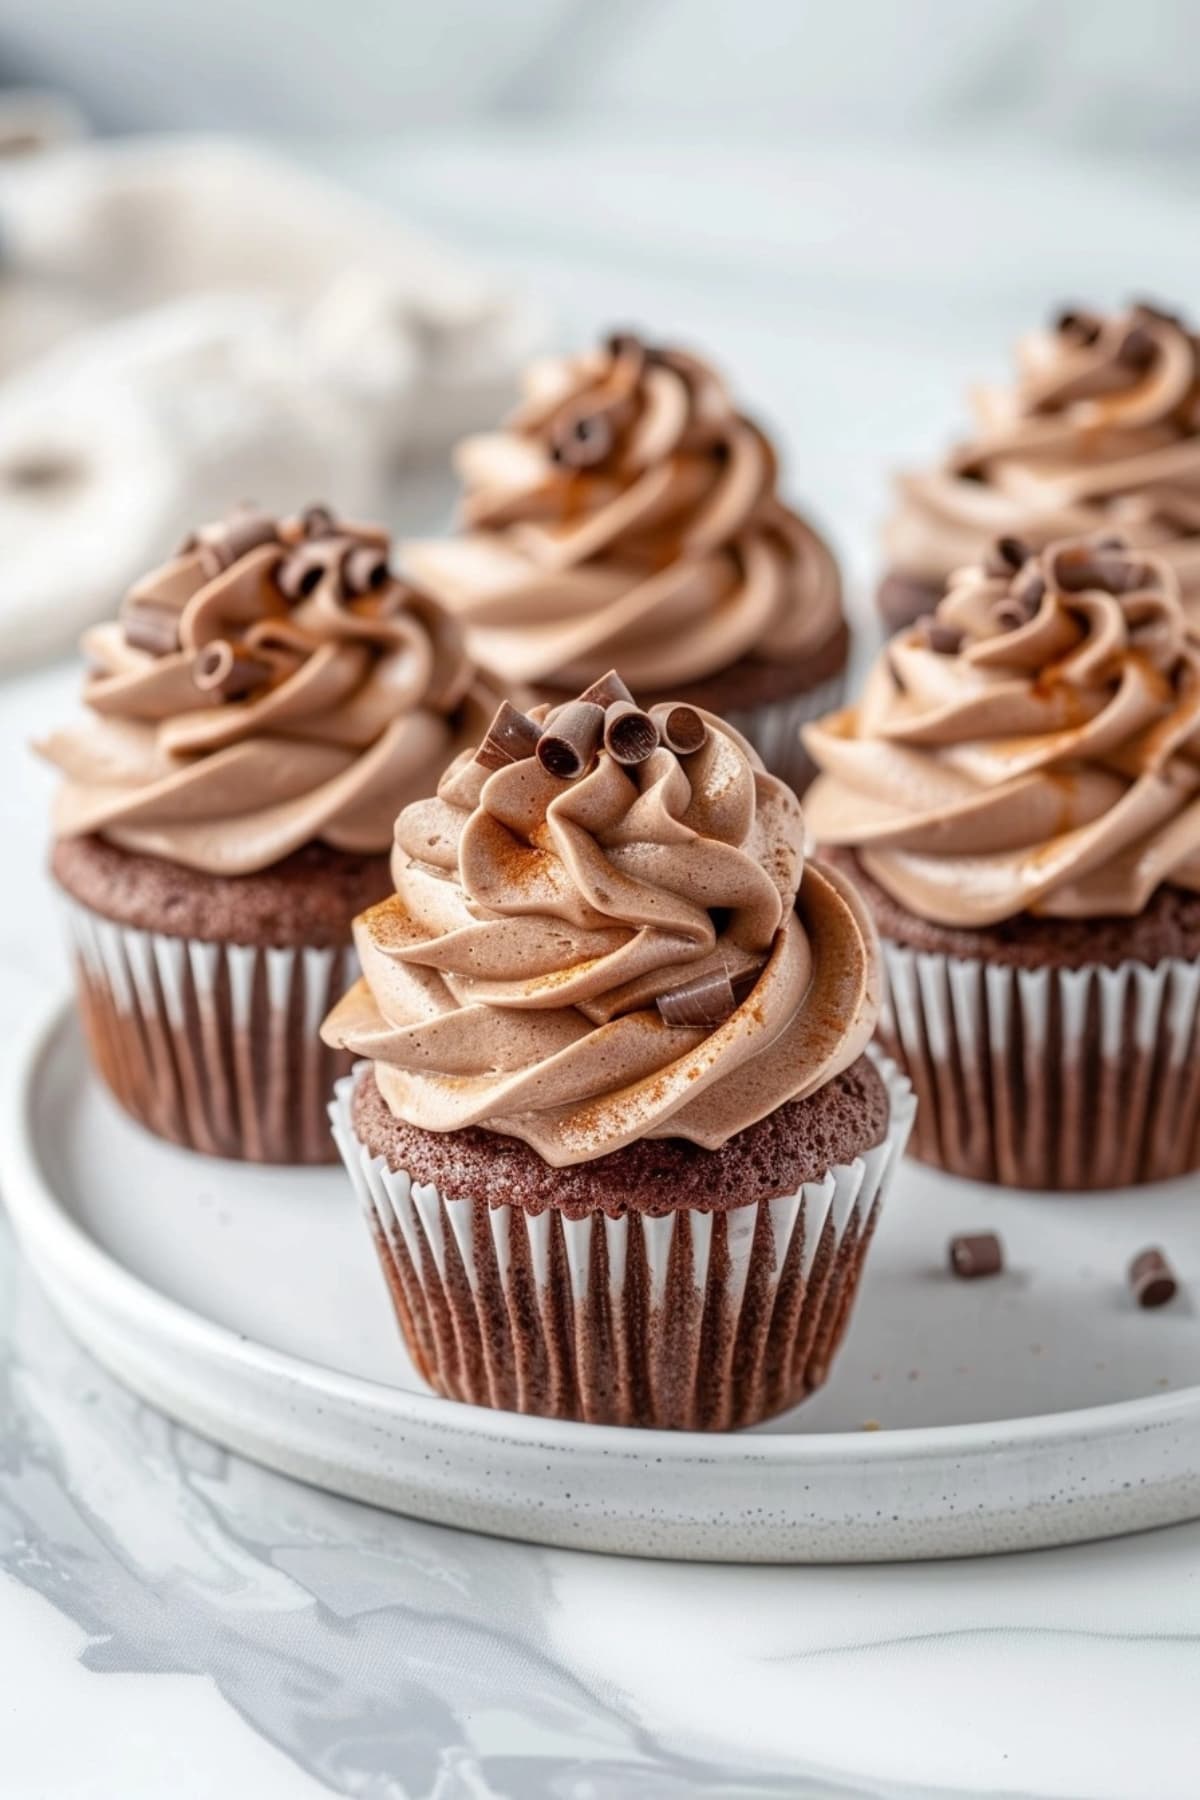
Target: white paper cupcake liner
point(774, 729)
point(696, 1320)
point(1048, 1078)
point(214, 1046)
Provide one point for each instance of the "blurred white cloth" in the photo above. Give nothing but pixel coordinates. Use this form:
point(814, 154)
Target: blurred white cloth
point(187, 324)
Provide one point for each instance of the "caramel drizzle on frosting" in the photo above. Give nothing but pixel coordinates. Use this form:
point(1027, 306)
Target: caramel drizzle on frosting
point(1032, 746)
point(273, 683)
point(628, 512)
point(585, 951)
point(1100, 432)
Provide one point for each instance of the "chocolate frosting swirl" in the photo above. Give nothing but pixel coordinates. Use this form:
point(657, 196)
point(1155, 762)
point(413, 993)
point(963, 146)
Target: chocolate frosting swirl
point(549, 963)
point(628, 514)
point(274, 683)
point(1034, 746)
point(1101, 430)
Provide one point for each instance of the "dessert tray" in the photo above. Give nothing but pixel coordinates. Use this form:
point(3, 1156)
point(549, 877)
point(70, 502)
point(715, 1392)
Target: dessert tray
point(1041, 1406)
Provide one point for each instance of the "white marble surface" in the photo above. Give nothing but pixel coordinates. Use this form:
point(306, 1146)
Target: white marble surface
point(175, 1621)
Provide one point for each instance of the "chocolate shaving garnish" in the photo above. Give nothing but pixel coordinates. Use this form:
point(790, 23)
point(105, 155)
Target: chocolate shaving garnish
point(303, 571)
point(365, 568)
point(1092, 567)
point(608, 689)
point(946, 640)
point(630, 735)
point(229, 670)
point(1150, 309)
point(1014, 551)
point(511, 737)
point(975, 1255)
point(1085, 327)
point(1138, 348)
point(224, 544)
point(681, 728)
point(568, 744)
point(1152, 1278)
point(151, 625)
point(317, 522)
point(582, 440)
point(627, 347)
point(706, 1001)
point(1011, 613)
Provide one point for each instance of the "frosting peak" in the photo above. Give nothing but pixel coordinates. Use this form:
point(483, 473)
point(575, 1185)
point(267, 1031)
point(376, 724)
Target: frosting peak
point(1032, 746)
point(1099, 431)
point(634, 949)
point(271, 684)
point(628, 512)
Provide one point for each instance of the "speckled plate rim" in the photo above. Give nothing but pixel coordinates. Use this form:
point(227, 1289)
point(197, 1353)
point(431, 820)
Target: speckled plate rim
point(111, 1309)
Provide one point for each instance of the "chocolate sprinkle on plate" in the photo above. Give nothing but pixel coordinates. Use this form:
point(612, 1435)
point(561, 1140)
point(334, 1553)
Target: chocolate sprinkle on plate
point(975, 1255)
point(1152, 1279)
point(511, 737)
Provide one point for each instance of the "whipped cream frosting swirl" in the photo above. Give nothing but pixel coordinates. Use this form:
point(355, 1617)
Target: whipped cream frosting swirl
point(271, 685)
point(628, 514)
point(1100, 431)
point(1033, 747)
point(513, 981)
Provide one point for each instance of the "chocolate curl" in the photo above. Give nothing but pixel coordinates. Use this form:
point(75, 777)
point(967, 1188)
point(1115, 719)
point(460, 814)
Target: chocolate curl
point(1083, 326)
point(227, 542)
point(1138, 349)
point(944, 640)
point(680, 727)
point(582, 440)
point(229, 670)
point(1152, 1279)
point(151, 625)
point(317, 522)
point(1007, 555)
point(568, 745)
point(511, 737)
point(605, 692)
point(361, 567)
point(705, 1002)
point(629, 354)
point(630, 735)
point(365, 569)
point(308, 565)
point(975, 1255)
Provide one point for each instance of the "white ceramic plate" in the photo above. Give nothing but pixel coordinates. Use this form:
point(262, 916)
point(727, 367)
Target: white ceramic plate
point(1040, 1407)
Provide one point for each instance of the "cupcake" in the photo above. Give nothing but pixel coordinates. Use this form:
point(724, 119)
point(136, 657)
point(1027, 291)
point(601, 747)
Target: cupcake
point(1019, 793)
point(1100, 432)
point(620, 1148)
point(255, 714)
point(629, 514)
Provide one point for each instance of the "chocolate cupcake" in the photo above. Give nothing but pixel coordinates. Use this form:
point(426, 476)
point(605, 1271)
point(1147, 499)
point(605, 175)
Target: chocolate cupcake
point(619, 1145)
point(1019, 789)
point(628, 514)
point(256, 712)
point(1100, 432)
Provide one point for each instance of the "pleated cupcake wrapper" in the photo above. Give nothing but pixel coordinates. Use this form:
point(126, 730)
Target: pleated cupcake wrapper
point(1048, 1078)
point(697, 1320)
point(214, 1046)
point(774, 729)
